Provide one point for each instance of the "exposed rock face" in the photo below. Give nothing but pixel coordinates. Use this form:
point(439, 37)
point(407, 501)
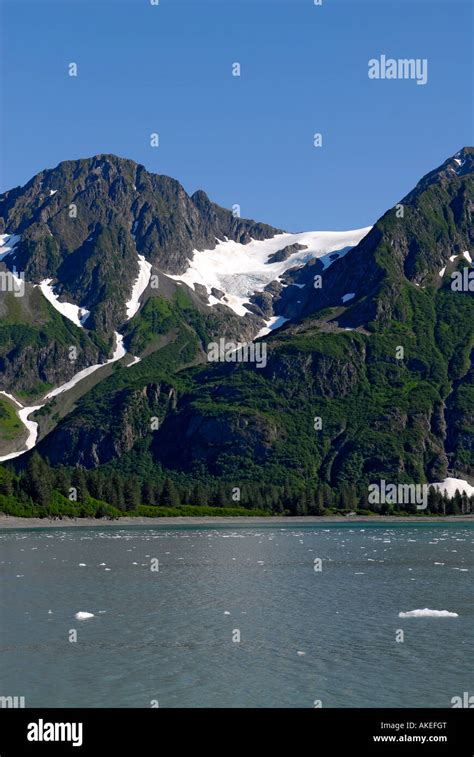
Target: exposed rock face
point(38, 348)
point(103, 211)
point(286, 252)
point(403, 418)
point(202, 440)
point(137, 413)
point(413, 240)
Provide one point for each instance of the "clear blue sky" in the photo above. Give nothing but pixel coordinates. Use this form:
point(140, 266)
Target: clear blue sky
point(247, 140)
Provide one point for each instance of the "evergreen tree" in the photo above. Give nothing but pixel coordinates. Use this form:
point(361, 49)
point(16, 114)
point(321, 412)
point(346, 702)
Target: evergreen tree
point(38, 480)
point(79, 482)
point(169, 495)
point(132, 493)
point(148, 493)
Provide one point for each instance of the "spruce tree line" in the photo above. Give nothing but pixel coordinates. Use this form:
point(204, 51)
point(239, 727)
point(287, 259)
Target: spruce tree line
point(38, 483)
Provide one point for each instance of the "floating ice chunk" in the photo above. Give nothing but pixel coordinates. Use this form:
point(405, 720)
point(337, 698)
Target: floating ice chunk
point(83, 615)
point(426, 613)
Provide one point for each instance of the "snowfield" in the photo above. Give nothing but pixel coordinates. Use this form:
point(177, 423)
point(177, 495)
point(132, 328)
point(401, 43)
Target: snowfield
point(74, 313)
point(8, 243)
point(31, 427)
point(139, 286)
point(24, 412)
point(119, 353)
point(273, 323)
point(451, 484)
point(240, 270)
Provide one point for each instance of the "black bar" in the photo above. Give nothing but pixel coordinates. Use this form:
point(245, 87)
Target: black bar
point(312, 731)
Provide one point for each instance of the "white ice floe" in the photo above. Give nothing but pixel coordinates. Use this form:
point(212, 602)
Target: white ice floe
point(139, 286)
point(83, 615)
point(119, 353)
point(72, 312)
point(240, 270)
point(449, 485)
point(348, 296)
point(426, 613)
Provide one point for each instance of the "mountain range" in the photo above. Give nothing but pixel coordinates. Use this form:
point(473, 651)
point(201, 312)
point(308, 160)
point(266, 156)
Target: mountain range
point(128, 280)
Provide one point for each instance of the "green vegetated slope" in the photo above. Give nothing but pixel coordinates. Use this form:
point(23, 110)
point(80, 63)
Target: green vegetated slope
point(35, 342)
point(10, 426)
point(381, 388)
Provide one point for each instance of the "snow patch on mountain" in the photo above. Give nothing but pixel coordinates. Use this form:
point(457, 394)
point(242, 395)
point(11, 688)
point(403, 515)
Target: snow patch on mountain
point(74, 313)
point(8, 243)
point(24, 412)
point(135, 360)
point(139, 286)
point(119, 353)
point(449, 485)
point(240, 270)
point(273, 323)
point(31, 427)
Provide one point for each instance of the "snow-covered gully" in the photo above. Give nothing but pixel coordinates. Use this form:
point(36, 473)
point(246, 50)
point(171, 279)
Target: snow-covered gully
point(78, 316)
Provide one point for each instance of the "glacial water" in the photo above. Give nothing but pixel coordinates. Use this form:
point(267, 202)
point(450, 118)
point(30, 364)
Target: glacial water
point(237, 616)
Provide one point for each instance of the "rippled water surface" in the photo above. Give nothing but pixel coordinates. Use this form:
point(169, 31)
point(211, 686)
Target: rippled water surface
point(169, 635)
